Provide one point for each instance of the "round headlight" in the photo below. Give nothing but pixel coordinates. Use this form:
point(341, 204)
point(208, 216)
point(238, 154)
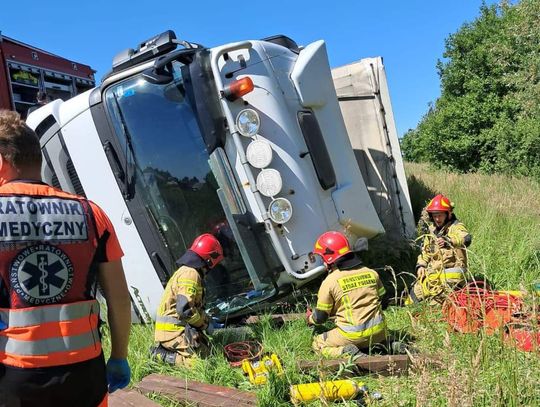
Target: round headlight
point(280, 210)
point(259, 153)
point(269, 182)
point(248, 122)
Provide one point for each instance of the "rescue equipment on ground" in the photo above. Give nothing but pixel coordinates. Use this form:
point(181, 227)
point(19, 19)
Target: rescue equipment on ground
point(237, 352)
point(476, 306)
point(523, 335)
point(259, 370)
point(330, 391)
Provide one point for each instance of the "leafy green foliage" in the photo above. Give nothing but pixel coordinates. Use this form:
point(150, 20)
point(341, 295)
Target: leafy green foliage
point(487, 117)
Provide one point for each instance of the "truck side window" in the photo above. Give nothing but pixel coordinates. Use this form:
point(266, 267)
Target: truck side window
point(317, 149)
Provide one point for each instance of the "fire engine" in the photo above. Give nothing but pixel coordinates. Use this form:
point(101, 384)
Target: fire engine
point(245, 141)
point(24, 70)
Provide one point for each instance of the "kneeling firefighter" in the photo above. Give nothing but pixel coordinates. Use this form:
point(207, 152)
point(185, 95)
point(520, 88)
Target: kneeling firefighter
point(181, 319)
point(442, 263)
point(351, 293)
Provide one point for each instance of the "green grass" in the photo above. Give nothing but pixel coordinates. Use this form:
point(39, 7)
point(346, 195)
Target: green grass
point(503, 215)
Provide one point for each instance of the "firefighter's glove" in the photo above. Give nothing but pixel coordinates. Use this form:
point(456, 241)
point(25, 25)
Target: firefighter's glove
point(213, 325)
point(118, 374)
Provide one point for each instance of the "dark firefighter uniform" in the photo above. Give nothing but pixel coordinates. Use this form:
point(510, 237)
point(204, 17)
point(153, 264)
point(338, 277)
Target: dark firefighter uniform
point(445, 266)
point(353, 296)
point(181, 318)
point(50, 245)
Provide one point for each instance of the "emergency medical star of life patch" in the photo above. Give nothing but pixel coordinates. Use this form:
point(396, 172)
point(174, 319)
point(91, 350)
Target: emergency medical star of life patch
point(41, 274)
point(27, 219)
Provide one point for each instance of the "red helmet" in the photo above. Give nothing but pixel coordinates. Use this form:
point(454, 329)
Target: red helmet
point(331, 246)
point(440, 203)
point(208, 248)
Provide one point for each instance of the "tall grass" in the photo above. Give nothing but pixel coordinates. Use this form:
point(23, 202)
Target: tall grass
point(502, 213)
point(503, 216)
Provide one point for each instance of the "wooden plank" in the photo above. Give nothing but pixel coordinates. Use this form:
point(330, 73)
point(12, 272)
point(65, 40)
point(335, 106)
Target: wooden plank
point(279, 319)
point(386, 365)
point(275, 318)
point(129, 398)
point(196, 393)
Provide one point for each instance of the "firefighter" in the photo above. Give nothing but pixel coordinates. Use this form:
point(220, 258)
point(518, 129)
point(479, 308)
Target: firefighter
point(442, 263)
point(54, 249)
point(351, 293)
point(181, 319)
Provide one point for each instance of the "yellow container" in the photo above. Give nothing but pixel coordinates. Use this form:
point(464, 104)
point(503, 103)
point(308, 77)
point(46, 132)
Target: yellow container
point(259, 370)
point(330, 391)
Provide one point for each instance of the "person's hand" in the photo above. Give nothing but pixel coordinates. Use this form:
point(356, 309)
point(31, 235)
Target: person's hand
point(442, 242)
point(118, 374)
point(308, 316)
point(420, 272)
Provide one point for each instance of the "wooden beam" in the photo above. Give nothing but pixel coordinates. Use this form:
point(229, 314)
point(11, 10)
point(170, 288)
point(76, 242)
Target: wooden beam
point(196, 393)
point(129, 398)
point(275, 318)
point(387, 365)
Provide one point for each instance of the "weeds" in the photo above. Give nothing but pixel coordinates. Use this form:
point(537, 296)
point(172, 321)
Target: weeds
point(503, 216)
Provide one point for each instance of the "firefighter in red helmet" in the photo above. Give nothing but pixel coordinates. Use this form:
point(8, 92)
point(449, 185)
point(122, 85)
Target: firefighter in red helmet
point(352, 294)
point(442, 263)
point(181, 319)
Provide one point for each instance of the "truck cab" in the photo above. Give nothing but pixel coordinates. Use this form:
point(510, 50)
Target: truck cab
point(245, 141)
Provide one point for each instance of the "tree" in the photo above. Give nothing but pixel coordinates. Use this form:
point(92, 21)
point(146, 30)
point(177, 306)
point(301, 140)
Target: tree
point(487, 117)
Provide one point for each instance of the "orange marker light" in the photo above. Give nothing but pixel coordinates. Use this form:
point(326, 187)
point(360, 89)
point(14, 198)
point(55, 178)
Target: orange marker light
point(238, 88)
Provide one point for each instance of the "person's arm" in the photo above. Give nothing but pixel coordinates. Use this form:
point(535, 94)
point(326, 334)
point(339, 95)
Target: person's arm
point(325, 305)
point(459, 236)
point(189, 289)
point(423, 258)
point(113, 283)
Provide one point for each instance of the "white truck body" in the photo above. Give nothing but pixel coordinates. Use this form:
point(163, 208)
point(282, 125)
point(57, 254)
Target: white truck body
point(158, 147)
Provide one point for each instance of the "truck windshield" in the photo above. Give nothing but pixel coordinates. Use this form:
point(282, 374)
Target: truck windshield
point(167, 169)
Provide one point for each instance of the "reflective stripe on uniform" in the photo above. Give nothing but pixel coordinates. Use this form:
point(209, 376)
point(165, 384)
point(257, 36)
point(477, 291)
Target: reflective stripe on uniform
point(169, 323)
point(48, 345)
point(381, 291)
point(323, 306)
point(452, 273)
point(48, 313)
point(69, 334)
point(189, 283)
point(369, 328)
point(164, 326)
point(362, 327)
point(348, 309)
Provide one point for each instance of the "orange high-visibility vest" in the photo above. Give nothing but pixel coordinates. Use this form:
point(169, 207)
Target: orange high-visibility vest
point(48, 242)
point(50, 335)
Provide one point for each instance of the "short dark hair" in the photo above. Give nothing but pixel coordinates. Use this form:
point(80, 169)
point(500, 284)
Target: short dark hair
point(19, 144)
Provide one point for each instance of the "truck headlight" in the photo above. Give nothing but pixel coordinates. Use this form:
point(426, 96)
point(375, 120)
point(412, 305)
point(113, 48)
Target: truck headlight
point(259, 153)
point(269, 182)
point(280, 210)
point(248, 122)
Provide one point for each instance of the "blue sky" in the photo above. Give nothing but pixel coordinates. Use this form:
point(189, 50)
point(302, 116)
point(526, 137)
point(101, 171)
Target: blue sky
point(409, 35)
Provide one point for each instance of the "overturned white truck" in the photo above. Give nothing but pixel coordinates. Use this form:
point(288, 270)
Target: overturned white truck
point(245, 141)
